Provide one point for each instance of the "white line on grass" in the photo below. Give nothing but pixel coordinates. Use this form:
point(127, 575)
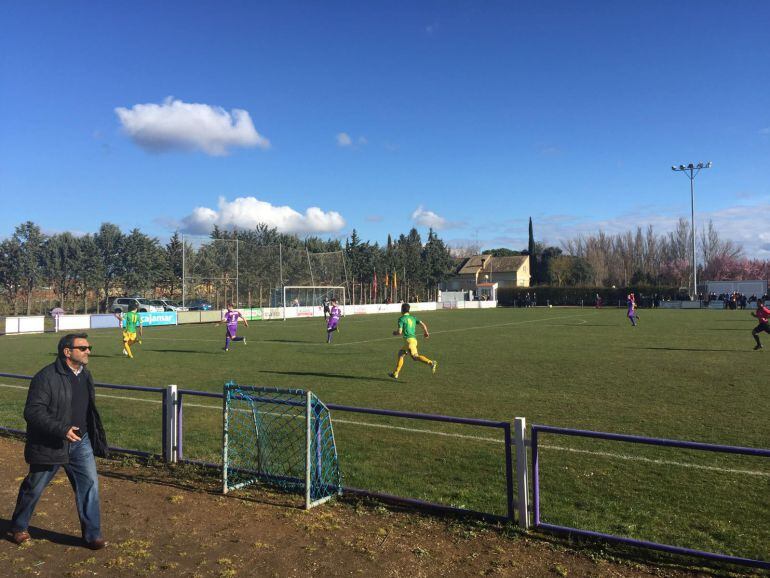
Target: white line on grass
point(475, 438)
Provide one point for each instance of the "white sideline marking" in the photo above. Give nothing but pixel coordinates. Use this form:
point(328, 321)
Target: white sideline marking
point(475, 438)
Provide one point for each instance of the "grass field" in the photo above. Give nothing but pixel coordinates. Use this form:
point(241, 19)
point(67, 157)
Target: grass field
point(688, 375)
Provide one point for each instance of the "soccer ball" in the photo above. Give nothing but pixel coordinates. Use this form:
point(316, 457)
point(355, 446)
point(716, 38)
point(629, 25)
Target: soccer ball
point(550, 306)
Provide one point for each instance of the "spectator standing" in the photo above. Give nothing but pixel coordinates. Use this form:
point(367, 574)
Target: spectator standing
point(63, 430)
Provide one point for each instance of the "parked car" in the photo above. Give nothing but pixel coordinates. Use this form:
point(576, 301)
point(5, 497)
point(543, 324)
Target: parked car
point(169, 305)
point(121, 304)
point(199, 305)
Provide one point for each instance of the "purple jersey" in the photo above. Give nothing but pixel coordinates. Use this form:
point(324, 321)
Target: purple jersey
point(231, 318)
point(630, 308)
point(334, 318)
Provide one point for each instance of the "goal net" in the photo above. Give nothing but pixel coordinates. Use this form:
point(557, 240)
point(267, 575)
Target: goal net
point(306, 298)
point(210, 270)
point(281, 437)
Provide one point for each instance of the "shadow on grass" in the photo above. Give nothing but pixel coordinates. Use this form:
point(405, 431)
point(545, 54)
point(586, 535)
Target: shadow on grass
point(196, 351)
point(324, 374)
point(290, 341)
point(49, 535)
point(696, 349)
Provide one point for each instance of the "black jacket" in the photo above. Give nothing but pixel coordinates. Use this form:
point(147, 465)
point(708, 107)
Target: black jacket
point(48, 416)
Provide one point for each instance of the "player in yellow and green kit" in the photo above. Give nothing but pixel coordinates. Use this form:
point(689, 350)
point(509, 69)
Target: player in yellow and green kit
point(407, 327)
point(130, 321)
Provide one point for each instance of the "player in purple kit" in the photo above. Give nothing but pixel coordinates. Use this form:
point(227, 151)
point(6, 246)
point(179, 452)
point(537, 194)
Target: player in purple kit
point(334, 318)
point(632, 317)
point(231, 318)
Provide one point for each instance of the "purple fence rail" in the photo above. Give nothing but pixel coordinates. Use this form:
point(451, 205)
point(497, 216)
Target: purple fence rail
point(537, 429)
point(174, 452)
point(161, 390)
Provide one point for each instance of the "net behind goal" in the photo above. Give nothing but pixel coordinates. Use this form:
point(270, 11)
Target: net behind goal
point(307, 297)
point(282, 437)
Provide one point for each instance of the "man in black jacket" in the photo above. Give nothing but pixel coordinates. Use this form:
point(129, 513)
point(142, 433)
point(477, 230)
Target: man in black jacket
point(63, 429)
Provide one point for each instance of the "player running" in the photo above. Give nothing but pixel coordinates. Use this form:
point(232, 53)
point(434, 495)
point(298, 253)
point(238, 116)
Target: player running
point(129, 322)
point(762, 314)
point(332, 324)
point(407, 326)
point(632, 317)
point(231, 318)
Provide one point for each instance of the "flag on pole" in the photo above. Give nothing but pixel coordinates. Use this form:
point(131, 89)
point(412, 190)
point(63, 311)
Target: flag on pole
point(395, 284)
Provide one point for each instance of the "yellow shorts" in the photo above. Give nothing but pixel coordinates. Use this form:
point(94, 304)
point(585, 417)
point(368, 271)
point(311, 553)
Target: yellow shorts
point(129, 336)
point(410, 347)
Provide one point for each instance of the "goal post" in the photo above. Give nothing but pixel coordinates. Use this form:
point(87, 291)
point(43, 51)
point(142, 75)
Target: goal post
point(281, 437)
point(307, 297)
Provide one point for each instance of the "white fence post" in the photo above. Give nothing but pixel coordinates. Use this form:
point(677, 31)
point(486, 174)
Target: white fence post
point(169, 423)
point(522, 502)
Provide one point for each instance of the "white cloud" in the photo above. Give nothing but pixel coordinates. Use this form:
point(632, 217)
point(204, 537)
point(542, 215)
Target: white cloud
point(425, 218)
point(177, 125)
point(344, 140)
point(248, 212)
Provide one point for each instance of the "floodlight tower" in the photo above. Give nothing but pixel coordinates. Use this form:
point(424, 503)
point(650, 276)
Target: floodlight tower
point(691, 171)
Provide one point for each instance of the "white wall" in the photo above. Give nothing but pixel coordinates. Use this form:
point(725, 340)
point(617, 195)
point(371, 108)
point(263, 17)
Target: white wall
point(70, 322)
point(18, 324)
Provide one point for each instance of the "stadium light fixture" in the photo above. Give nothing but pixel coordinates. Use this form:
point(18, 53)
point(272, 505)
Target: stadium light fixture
point(691, 172)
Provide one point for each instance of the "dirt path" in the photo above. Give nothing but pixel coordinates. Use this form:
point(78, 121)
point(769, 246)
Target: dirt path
point(164, 523)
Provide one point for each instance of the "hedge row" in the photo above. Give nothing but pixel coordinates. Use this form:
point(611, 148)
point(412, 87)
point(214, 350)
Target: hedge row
point(586, 296)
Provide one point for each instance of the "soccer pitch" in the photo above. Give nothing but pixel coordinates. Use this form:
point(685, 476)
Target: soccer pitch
point(689, 375)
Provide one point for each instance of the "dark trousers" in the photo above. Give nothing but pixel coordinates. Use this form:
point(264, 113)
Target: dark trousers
point(81, 471)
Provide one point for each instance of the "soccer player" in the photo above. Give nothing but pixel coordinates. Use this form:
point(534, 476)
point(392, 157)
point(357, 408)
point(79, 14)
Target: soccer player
point(762, 314)
point(632, 309)
point(130, 321)
point(407, 326)
point(327, 311)
point(231, 318)
point(334, 318)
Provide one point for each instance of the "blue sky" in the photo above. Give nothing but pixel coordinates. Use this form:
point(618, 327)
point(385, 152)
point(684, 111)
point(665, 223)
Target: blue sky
point(321, 117)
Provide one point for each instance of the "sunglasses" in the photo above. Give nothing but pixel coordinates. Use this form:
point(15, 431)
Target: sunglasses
point(81, 347)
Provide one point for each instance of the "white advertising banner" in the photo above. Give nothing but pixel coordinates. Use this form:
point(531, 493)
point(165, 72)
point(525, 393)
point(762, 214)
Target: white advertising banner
point(69, 322)
point(33, 324)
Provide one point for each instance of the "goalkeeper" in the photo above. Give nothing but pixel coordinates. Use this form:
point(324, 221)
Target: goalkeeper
point(407, 326)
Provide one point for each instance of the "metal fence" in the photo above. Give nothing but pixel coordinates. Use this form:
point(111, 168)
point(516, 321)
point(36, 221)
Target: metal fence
point(662, 442)
point(517, 510)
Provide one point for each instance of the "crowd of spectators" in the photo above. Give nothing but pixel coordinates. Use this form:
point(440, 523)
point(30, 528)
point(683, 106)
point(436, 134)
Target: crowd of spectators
point(733, 300)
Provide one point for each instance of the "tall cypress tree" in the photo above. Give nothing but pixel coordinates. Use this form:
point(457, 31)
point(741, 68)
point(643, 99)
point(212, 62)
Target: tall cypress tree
point(532, 256)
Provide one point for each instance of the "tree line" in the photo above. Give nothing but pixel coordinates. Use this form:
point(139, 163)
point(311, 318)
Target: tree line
point(81, 272)
point(638, 257)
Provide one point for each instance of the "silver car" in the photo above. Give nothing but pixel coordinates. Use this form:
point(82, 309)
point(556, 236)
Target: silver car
point(121, 305)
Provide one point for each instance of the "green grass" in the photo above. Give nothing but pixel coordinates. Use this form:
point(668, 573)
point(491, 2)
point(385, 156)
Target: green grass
point(688, 375)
